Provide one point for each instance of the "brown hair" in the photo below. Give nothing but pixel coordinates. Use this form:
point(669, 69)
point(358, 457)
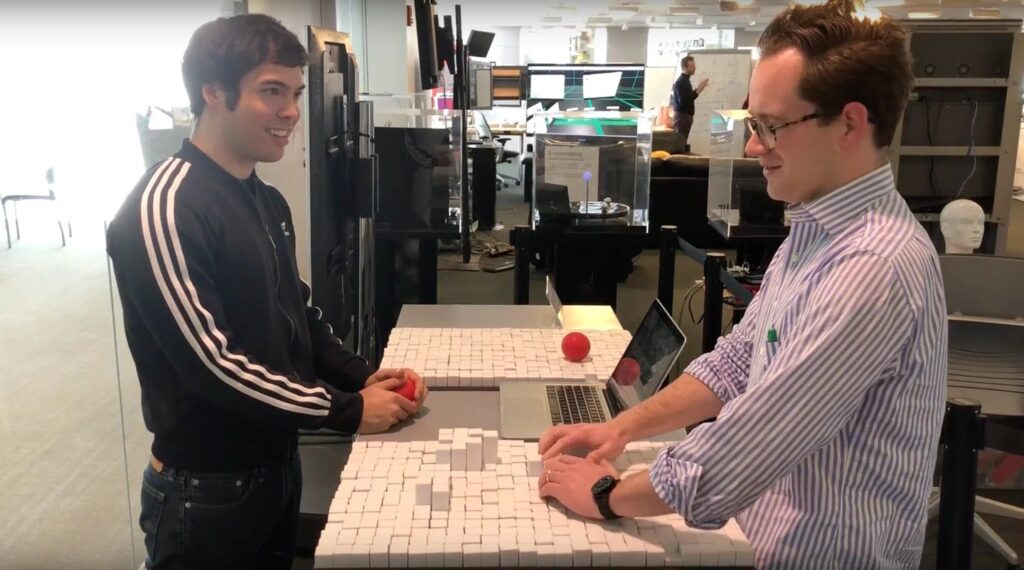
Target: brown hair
point(848, 59)
point(224, 50)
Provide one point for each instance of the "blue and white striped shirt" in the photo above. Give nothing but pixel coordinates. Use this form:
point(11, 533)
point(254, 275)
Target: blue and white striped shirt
point(825, 446)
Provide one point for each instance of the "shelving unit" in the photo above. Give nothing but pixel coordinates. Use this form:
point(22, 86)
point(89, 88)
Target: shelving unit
point(958, 137)
point(509, 82)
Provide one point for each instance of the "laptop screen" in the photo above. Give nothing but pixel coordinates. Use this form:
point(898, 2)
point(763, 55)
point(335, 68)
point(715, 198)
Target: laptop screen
point(645, 364)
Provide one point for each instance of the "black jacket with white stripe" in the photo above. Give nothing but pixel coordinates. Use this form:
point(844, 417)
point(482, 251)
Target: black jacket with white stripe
point(230, 358)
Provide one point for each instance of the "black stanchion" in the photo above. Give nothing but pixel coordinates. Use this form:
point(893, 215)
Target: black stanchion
point(713, 265)
point(521, 279)
point(963, 435)
point(667, 266)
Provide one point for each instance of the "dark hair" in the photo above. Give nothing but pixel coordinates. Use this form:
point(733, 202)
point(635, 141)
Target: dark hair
point(848, 59)
point(686, 60)
point(224, 50)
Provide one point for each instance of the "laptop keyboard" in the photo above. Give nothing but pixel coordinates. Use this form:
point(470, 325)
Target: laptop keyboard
point(575, 405)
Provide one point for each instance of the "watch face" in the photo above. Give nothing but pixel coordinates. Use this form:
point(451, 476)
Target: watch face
point(602, 484)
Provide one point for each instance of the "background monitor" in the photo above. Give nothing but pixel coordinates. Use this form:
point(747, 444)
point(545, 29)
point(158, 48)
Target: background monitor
point(588, 86)
point(479, 43)
point(548, 87)
point(426, 41)
point(599, 85)
point(445, 36)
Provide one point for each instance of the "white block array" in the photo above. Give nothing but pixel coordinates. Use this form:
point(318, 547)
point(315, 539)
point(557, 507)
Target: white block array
point(483, 358)
point(435, 516)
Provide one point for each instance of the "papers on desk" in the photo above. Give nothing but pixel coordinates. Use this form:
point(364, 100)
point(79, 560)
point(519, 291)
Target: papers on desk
point(565, 165)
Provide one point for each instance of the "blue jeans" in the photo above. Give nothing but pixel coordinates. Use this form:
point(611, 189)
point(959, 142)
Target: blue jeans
point(244, 519)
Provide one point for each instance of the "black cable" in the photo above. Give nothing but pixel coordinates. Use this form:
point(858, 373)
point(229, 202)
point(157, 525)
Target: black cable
point(928, 132)
point(970, 151)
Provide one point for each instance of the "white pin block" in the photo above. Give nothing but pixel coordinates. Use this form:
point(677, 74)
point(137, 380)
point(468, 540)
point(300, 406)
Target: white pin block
point(508, 555)
point(655, 555)
point(459, 456)
point(424, 488)
point(440, 496)
point(490, 555)
point(379, 555)
point(398, 555)
point(323, 557)
point(417, 554)
point(452, 558)
point(600, 557)
point(444, 454)
point(435, 555)
point(471, 556)
point(474, 454)
point(563, 555)
point(674, 559)
point(359, 556)
point(490, 447)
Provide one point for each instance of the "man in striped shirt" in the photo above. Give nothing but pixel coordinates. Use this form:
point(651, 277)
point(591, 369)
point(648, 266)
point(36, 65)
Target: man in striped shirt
point(829, 394)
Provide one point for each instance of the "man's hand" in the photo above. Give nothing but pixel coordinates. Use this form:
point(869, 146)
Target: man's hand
point(602, 440)
point(384, 374)
point(569, 479)
point(420, 393)
point(703, 83)
point(383, 408)
point(421, 386)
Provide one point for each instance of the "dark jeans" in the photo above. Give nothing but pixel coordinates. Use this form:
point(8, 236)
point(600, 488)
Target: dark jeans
point(682, 124)
point(221, 520)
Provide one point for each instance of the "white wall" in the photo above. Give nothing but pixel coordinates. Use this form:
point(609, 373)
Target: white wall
point(290, 175)
point(627, 46)
point(746, 39)
point(386, 63)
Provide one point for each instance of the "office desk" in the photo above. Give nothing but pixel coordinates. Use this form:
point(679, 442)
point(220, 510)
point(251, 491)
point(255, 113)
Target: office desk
point(322, 464)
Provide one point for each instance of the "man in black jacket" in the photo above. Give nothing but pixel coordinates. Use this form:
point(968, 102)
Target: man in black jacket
point(231, 359)
point(683, 97)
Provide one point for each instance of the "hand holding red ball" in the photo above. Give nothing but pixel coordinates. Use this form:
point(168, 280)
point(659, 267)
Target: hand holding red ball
point(576, 346)
point(407, 389)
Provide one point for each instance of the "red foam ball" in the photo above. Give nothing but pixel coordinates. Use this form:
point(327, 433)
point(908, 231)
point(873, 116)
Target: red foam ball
point(407, 389)
point(575, 346)
point(627, 372)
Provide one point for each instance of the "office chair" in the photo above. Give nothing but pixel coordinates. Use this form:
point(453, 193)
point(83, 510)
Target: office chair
point(505, 156)
point(985, 360)
point(15, 198)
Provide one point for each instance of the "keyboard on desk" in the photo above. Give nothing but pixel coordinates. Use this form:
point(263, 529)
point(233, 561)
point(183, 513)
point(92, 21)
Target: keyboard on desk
point(575, 405)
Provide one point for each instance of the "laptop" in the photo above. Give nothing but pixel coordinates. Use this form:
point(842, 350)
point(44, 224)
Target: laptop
point(528, 409)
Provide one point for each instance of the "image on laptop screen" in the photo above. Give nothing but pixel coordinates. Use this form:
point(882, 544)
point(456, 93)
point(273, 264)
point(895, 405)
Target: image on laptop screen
point(648, 358)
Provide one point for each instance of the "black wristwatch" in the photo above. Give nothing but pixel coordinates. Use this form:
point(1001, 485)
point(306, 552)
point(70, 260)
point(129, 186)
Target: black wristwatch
point(602, 491)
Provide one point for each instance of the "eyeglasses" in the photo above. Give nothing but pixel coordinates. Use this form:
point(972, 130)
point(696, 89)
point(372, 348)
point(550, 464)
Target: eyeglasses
point(766, 131)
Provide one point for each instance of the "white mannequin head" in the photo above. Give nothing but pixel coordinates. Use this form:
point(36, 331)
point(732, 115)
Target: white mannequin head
point(963, 225)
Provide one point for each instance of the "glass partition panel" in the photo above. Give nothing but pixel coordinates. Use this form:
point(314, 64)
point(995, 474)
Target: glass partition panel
point(419, 161)
point(64, 502)
point(738, 202)
point(593, 168)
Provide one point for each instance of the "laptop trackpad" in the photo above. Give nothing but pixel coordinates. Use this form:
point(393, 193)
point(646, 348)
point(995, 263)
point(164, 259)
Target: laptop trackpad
point(523, 417)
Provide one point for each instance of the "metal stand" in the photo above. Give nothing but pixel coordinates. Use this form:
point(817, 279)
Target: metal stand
point(963, 435)
point(667, 266)
point(521, 288)
point(714, 263)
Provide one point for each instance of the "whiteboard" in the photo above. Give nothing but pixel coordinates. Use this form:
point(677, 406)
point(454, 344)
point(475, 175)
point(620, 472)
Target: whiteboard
point(729, 74)
point(658, 85)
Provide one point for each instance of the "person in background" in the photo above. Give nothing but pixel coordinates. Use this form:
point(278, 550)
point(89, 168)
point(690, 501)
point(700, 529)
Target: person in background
point(231, 358)
point(683, 97)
